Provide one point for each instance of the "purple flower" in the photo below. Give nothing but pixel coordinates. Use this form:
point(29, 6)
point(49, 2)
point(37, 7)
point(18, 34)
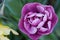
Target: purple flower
point(37, 20)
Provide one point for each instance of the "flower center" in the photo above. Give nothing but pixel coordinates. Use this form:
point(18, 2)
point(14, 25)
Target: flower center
point(35, 18)
point(34, 21)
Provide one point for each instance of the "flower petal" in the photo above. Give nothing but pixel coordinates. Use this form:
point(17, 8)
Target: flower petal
point(29, 7)
point(21, 26)
point(3, 38)
point(47, 13)
point(40, 24)
point(35, 22)
point(50, 17)
point(14, 32)
point(33, 30)
point(39, 15)
point(49, 24)
point(31, 15)
point(26, 26)
point(40, 8)
point(45, 18)
point(31, 19)
point(43, 29)
point(6, 31)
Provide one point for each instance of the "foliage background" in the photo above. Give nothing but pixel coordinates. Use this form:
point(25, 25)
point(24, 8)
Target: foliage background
point(12, 13)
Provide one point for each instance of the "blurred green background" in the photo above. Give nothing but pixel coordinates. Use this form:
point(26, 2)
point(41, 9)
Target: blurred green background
point(12, 12)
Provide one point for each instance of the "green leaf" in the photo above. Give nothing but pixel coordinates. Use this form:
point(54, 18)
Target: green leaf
point(57, 28)
point(14, 7)
point(49, 37)
point(40, 1)
point(10, 19)
point(57, 5)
